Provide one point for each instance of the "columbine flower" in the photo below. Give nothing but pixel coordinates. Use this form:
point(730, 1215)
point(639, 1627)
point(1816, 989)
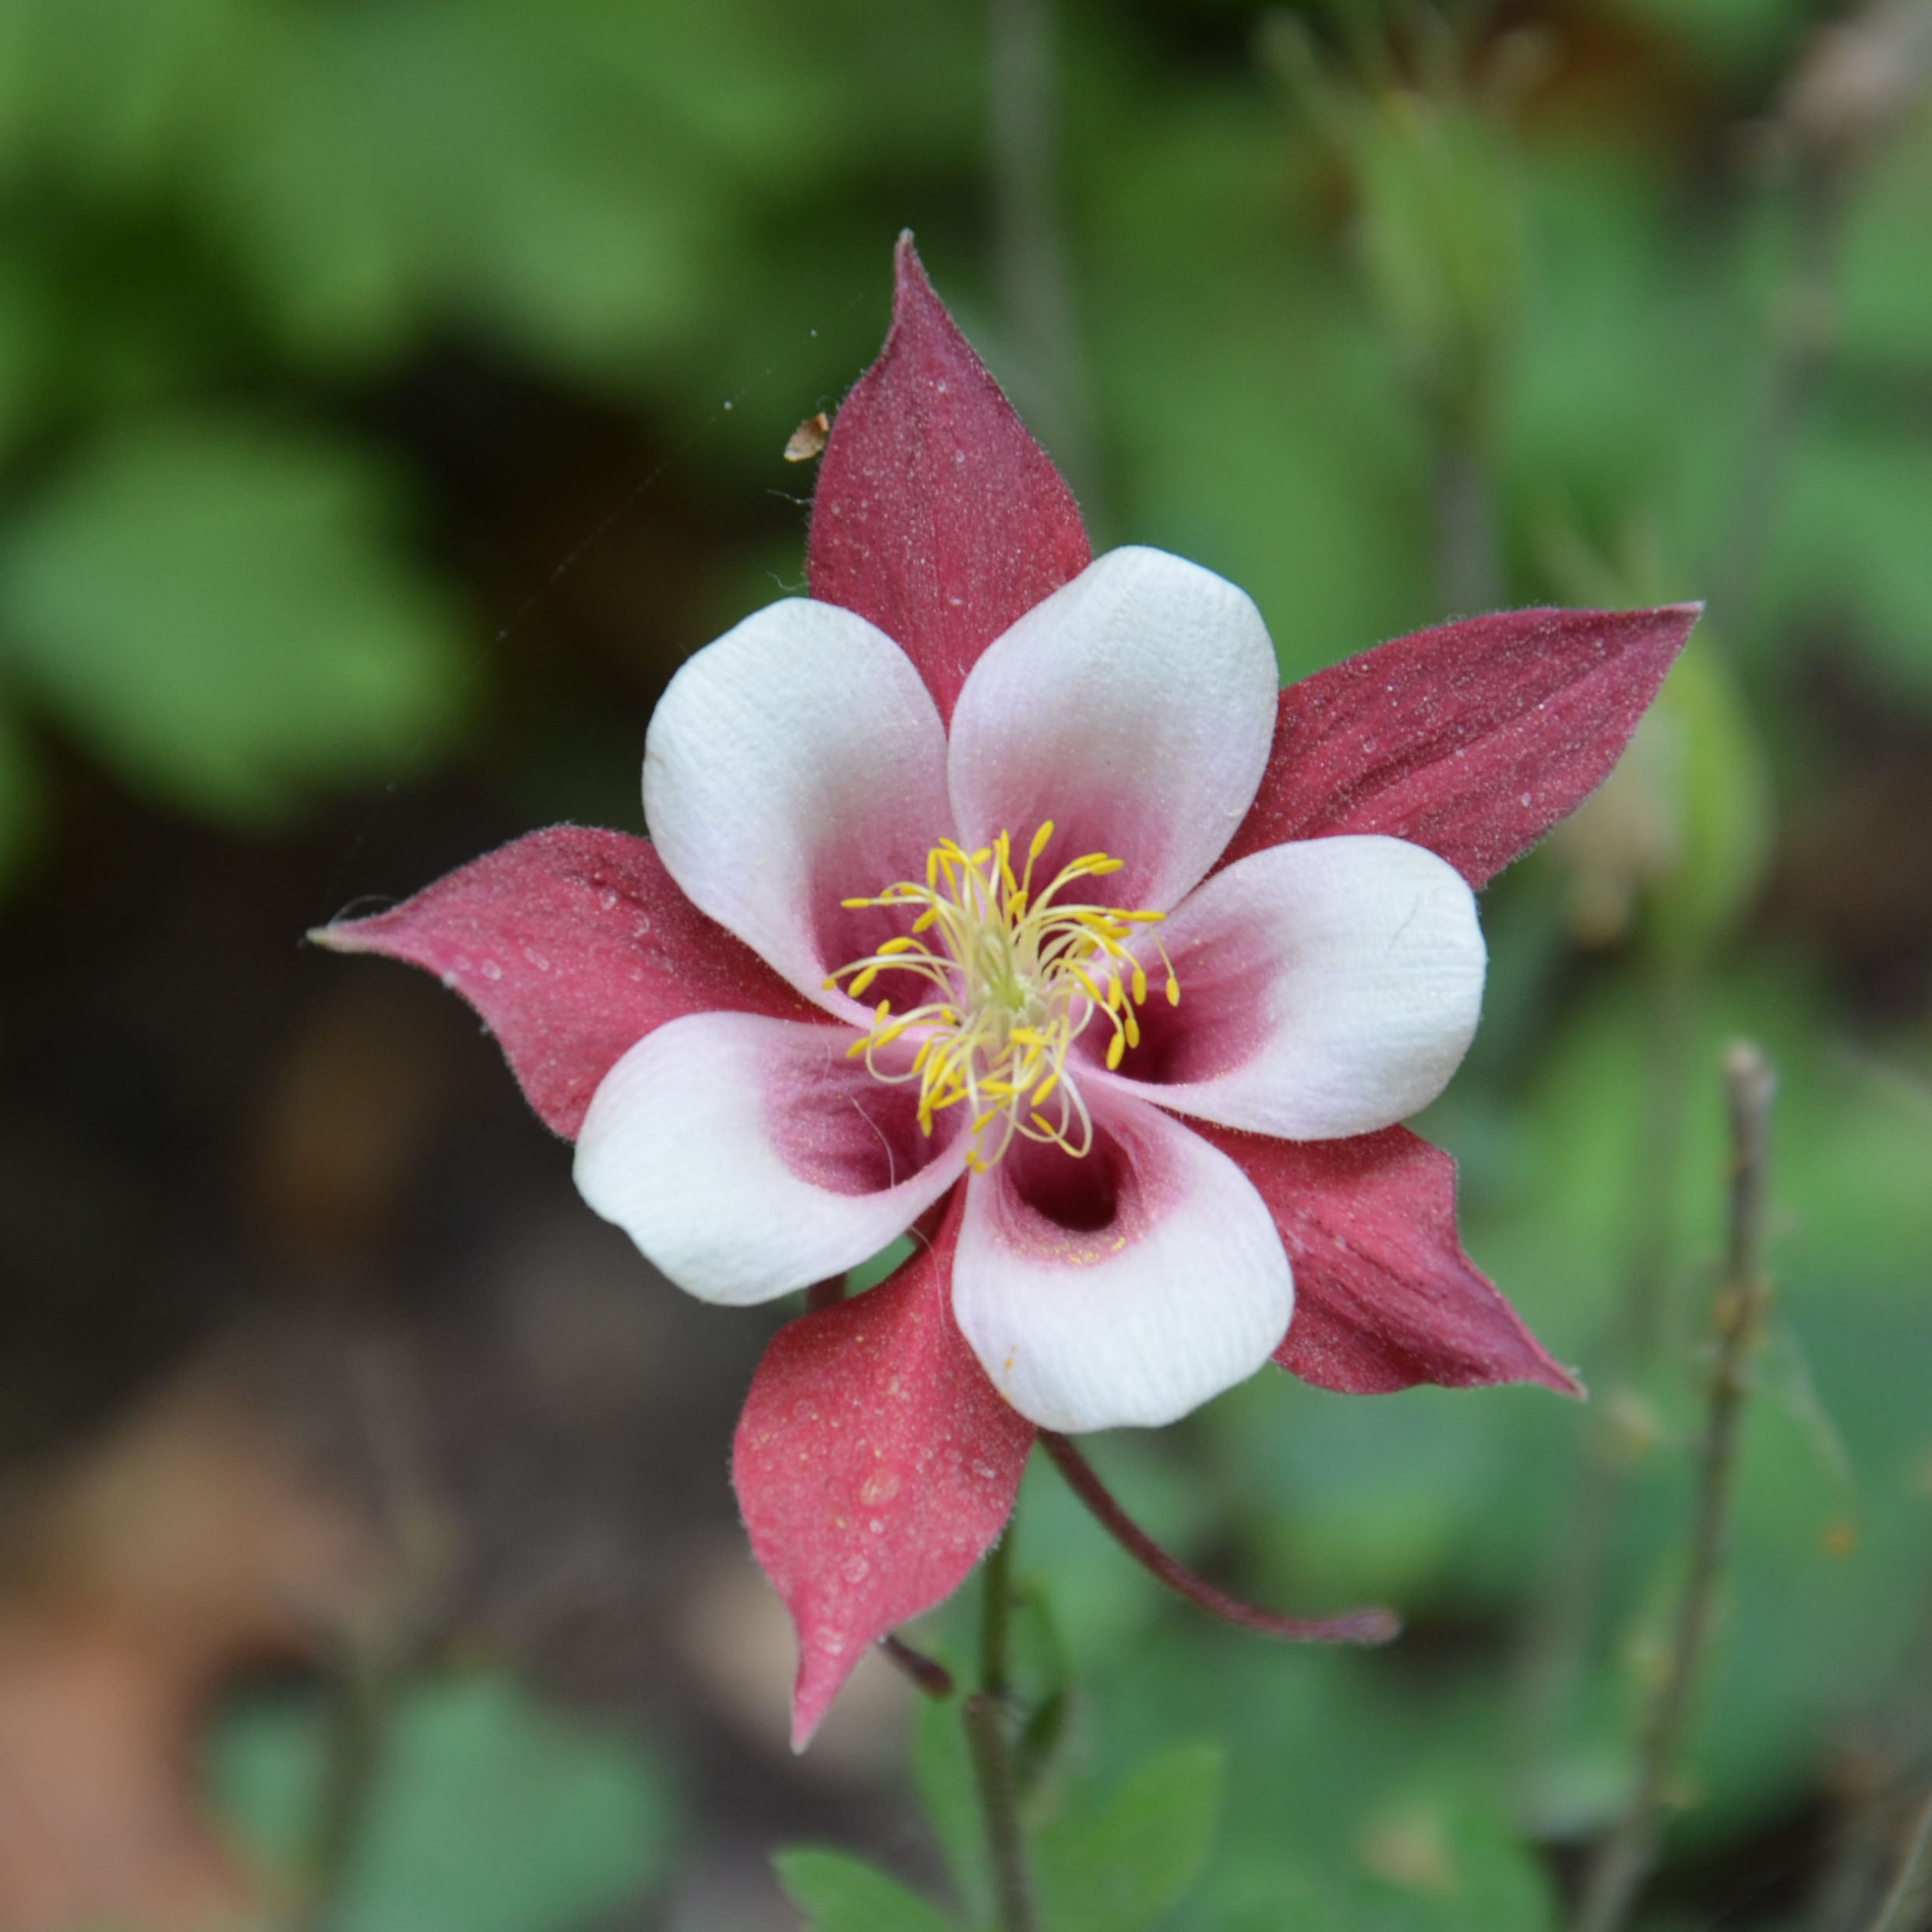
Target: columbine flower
point(995, 893)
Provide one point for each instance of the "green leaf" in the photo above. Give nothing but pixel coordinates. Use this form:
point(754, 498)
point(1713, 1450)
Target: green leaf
point(489, 1812)
point(105, 90)
point(1118, 1869)
point(216, 607)
point(1437, 1864)
point(942, 1770)
point(839, 1893)
point(564, 179)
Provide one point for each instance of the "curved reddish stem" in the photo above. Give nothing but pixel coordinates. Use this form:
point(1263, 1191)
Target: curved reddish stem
point(1358, 1626)
point(931, 1676)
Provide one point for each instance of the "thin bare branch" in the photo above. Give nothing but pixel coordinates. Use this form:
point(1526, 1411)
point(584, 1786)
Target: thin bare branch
point(1624, 1859)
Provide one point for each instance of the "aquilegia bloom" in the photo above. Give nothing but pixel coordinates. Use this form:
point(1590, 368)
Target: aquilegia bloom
point(996, 892)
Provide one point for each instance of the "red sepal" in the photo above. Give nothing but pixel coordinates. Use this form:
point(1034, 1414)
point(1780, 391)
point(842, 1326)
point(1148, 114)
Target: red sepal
point(1384, 1296)
point(1473, 739)
point(572, 944)
point(874, 1463)
point(937, 516)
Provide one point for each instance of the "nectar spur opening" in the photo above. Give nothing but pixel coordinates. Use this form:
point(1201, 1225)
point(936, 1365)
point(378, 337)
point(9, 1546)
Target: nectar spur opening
point(1017, 976)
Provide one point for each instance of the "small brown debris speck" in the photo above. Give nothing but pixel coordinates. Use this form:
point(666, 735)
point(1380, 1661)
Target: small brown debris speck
point(808, 440)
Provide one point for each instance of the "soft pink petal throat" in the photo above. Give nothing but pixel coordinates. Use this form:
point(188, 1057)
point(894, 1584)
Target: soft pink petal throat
point(749, 1157)
point(1330, 987)
point(1123, 1290)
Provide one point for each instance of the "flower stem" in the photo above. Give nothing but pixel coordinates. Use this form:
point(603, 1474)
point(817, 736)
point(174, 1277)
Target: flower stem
point(931, 1676)
point(991, 1751)
point(1904, 1909)
point(1625, 1859)
point(1358, 1626)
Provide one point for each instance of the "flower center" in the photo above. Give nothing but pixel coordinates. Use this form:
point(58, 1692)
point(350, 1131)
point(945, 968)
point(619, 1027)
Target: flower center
point(1016, 976)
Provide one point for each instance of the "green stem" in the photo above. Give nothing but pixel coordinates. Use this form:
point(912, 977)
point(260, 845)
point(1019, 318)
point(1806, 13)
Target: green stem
point(991, 1749)
point(1625, 1859)
point(352, 1756)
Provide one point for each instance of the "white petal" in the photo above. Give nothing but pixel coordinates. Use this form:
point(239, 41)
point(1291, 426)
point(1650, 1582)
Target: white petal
point(1127, 1288)
point(1134, 708)
point(1328, 987)
point(797, 761)
point(748, 1157)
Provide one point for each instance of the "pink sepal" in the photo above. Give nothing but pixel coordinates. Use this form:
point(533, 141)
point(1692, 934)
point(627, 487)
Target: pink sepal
point(874, 1464)
point(1473, 739)
point(572, 944)
point(1384, 1296)
point(937, 516)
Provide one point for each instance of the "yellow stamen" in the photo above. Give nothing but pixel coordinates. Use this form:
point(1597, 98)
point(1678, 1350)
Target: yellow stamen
point(1014, 978)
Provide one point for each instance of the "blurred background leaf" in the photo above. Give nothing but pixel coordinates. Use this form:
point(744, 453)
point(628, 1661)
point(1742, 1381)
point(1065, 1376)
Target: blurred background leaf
point(839, 1893)
point(489, 1812)
point(216, 607)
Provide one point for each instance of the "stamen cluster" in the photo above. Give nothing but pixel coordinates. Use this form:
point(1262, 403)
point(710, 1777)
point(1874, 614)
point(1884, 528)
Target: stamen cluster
point(1019, 975)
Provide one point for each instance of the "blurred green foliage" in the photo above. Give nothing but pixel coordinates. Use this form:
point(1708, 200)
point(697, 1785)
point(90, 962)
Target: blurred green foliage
point(488, 1813)
point(1317, 256)
point(1099, 1860)
point(218, 606)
